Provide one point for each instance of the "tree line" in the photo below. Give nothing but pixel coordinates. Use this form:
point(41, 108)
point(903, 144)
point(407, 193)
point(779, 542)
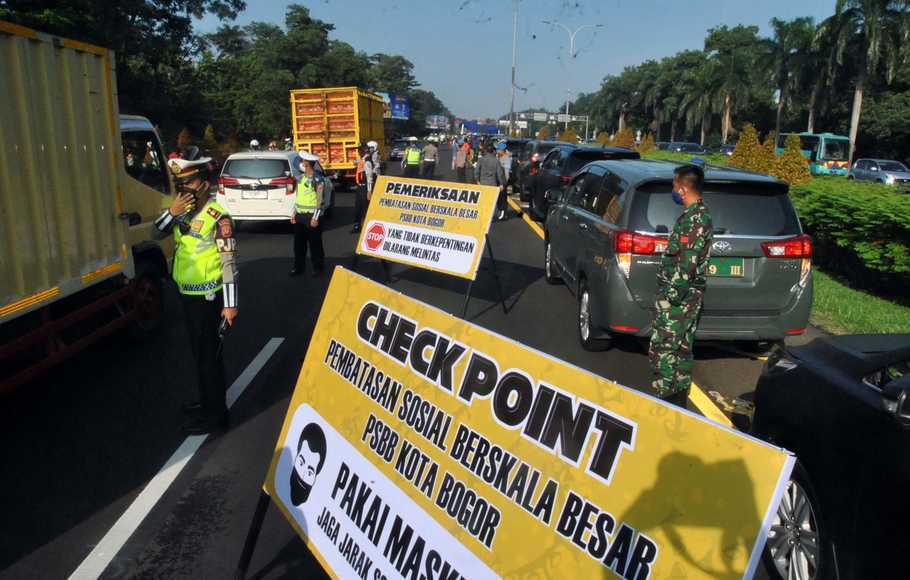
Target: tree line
point(232, 83)
point(848, 74)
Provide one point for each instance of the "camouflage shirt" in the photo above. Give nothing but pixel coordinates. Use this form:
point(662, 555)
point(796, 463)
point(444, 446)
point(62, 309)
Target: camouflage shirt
point(683, 264)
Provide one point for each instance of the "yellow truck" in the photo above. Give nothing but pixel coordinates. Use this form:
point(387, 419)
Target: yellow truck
point(333, 122)
point(80, 186)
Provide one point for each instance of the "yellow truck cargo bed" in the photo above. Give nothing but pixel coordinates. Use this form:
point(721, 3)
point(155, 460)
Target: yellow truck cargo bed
point(61, 188)
point(333, 122)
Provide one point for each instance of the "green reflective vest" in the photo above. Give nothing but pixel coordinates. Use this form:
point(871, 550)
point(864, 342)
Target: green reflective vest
point(306, 200)
point(413, 156)
point(197, 265)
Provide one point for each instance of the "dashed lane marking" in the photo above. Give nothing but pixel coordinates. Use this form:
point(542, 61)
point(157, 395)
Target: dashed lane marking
point(697, 396)
point(114, 540)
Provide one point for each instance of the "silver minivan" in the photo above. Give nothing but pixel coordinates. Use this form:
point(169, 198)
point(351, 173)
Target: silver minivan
point(880, 170)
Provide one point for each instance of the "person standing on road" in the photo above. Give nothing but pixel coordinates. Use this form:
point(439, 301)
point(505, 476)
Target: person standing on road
point(505, 159)
point(307, 217)
point(488, 171)
point(374, 158)
point(205, 272)
point(364, 179)
point(410, 161)
point(463, 161)
point(680, 289)
point(429, 155)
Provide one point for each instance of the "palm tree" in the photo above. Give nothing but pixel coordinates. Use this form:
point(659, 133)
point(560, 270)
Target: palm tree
point(733, 49)
point(787, 50)
point(700, 98)
point(873, 33)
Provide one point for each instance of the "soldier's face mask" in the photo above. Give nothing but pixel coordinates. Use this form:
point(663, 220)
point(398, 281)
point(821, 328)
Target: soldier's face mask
point(677, 197)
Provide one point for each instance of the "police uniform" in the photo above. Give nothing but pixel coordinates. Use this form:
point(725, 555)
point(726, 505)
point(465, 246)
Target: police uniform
point(412, 161)
point(308, 206)
point(205, 272)
point(680, 290)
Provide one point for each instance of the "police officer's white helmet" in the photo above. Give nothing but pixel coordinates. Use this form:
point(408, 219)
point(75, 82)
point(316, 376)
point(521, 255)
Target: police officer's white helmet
point(254, 144)
point(372, 144)
point(412, 139)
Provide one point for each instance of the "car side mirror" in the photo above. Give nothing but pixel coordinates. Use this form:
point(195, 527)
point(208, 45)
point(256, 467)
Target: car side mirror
point(896, 398)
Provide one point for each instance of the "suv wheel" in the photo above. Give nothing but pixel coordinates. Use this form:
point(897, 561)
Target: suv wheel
point(797, 545)
point(549, 266)
point(585, 328)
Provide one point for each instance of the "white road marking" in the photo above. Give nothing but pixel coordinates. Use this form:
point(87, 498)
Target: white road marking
point(114, 540)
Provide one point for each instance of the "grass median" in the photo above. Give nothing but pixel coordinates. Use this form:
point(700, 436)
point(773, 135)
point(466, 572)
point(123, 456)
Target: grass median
point(840, 309)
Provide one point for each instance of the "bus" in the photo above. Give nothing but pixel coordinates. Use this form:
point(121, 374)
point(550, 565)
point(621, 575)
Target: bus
point(828, 154)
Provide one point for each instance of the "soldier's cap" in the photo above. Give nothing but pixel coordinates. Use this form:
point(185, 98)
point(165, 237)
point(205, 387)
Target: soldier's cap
point(185, 169)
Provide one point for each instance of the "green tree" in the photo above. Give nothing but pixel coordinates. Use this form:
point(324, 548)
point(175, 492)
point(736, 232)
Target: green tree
point(766, 156)
point(603, 139)
point(869, 33)
point(698, 102)
point(792, 166)
point(647, 145)
point(788, 50)
point(209, 142)
point(392, 74)
point(568, 136)
point(153, 42)
point(624, 138)
point(734, 50)
point(746, 151)
point(543, 133)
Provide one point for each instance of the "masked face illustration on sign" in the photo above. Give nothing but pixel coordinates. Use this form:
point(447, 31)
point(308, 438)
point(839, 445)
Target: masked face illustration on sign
point(307, 463)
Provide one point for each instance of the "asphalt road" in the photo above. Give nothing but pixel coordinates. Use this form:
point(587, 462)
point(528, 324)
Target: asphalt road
point(80, 443)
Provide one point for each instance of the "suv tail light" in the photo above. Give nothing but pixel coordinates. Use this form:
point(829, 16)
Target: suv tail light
point(287, 182)
point(626, 244)
point(535, 157)
point(797, 247)
point(565, 179)
point(222, 181)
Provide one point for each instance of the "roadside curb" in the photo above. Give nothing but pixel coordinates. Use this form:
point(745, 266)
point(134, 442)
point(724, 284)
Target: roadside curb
point(699, 399)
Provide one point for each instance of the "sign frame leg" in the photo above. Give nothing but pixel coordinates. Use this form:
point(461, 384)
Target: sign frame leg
point(252, 535)
point(502, 298)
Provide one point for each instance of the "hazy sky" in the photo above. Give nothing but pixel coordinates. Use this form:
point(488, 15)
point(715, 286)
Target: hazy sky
point(462, 49)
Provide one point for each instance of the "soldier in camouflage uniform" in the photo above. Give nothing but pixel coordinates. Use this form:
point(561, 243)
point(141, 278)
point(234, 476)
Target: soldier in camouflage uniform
point(680, 288)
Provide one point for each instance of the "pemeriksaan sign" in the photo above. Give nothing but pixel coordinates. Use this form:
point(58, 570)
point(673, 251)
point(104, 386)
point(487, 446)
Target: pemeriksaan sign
point(417, 445)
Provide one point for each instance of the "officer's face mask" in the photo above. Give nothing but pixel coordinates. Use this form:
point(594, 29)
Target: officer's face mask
point(677, 197)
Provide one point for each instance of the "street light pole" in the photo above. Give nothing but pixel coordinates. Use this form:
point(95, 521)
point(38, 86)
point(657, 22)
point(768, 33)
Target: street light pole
point(572, 54)
point(514, 60)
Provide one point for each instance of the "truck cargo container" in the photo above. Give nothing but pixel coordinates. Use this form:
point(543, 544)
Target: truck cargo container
point(79, 189)
point(333, 122)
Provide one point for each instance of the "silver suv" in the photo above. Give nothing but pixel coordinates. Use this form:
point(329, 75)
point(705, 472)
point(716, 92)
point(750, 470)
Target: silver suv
point(606, 230)
point(880, 170)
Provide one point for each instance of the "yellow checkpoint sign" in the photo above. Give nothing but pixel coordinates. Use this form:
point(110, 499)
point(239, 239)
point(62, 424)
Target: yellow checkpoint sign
point(419, 445)
point(436, 225)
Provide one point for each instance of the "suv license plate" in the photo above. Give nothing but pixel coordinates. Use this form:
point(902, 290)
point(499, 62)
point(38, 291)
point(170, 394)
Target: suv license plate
point(726, 267)
point(254, 194)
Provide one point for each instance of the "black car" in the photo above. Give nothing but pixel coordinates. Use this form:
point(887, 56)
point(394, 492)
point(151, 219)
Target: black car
point(529, 162)
point(558, 167)
point(842, 405)
point(685, 147)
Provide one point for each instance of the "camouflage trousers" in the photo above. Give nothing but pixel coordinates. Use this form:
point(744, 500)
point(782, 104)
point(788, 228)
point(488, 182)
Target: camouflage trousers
point(672, 335)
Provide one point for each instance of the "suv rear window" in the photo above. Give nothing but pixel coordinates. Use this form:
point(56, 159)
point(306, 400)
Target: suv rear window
point(256, 168)
point(736, 208)
point(578, 159)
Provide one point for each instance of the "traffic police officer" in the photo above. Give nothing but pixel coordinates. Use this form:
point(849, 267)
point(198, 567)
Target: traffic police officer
point(410, 161)
point(307, 217)
point(206, 275)
point(681, 288)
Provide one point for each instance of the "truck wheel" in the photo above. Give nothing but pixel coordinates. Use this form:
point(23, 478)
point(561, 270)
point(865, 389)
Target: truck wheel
point(586, 328)
point(148, 301)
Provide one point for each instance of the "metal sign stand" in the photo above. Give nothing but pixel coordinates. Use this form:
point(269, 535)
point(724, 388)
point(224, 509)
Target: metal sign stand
point(467, 296)
point(252, 535)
